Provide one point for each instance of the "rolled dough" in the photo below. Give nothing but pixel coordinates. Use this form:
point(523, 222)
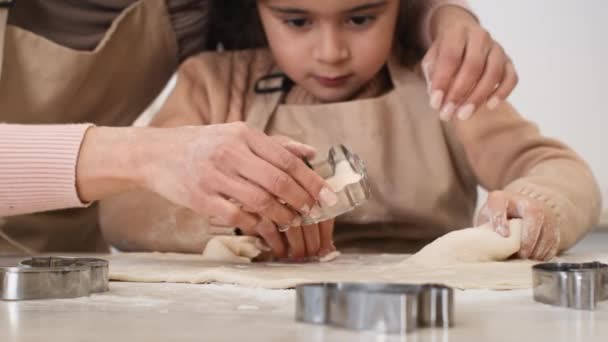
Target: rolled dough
point(467, 259)
point(238, 249)
point(471, 245)
point(244, 249)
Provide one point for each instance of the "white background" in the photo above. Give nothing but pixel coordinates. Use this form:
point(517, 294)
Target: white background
point(560, 50)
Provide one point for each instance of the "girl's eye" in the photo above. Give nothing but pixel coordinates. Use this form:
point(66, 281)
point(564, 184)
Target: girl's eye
point(298, 22)
point(360, 20)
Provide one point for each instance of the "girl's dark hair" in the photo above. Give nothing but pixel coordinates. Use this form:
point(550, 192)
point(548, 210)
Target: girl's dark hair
point(235, 25)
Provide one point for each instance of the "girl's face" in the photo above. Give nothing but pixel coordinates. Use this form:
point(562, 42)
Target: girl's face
point(332, 48)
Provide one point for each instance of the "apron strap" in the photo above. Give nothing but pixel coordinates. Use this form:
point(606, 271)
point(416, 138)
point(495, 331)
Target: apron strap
point(272, 89)
point(4, 6)
point(269, 95)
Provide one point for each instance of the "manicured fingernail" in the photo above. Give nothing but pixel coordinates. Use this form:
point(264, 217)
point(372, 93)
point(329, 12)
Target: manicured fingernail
point(305, 209)
point(323, 252)
point(296, 222)
point(328, 197)
point(447, 111)
point(493, 103)
point(315, 212)
point(310, 150)
point(466, 111)
point(436, 99)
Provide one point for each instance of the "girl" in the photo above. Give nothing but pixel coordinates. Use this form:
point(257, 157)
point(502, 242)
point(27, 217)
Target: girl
point(333, 72)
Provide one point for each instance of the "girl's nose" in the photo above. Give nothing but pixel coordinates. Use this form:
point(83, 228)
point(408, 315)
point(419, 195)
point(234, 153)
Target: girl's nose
point(330, 48)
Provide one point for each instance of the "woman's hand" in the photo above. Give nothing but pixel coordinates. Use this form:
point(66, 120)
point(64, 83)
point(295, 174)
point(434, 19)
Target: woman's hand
point(231, 174)
point(540, 236)
point(464, 66)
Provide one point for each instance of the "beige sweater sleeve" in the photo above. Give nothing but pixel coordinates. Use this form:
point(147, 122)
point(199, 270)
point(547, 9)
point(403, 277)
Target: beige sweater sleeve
point(509, 153)
point(213, 88)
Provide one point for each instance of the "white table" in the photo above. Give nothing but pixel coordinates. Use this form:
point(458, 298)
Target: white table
point(185, 312)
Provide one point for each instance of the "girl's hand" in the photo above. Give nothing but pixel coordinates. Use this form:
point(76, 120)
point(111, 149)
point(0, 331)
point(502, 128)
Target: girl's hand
point(464, 66)
point(303, 242)
point(540, 236)
point(310, 241)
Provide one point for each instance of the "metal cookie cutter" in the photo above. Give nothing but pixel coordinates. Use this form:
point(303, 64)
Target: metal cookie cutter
point(352, 195)
point(385, 308)
point(54, 277)
point(572, 285)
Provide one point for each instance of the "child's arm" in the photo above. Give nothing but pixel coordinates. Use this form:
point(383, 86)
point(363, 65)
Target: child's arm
point(542, 181)
point(465, 66)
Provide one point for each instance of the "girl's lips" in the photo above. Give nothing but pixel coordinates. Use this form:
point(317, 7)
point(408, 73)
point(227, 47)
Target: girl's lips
point(332, 82)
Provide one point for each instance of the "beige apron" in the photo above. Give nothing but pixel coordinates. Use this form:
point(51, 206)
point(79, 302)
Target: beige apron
point(418, 189)
point(43, 82)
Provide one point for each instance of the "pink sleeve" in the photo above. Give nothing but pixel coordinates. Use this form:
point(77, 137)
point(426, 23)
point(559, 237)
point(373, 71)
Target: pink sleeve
point(38, 167)
point(430, 10)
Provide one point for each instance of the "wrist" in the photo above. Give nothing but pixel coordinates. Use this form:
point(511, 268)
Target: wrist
point(148, 146)
point(106, 163)
point(446, 16)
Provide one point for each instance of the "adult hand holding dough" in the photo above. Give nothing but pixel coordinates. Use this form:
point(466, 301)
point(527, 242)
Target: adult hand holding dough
point(540, 236)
